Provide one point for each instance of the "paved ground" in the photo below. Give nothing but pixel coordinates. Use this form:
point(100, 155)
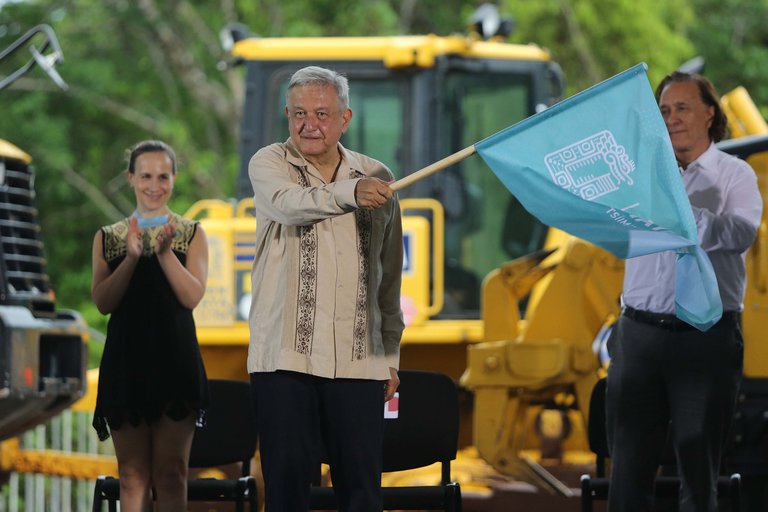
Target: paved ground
point(512, 496)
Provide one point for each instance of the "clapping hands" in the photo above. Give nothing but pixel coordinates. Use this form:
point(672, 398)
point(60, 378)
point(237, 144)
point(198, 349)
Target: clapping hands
point(165, 238)
point(134, 240)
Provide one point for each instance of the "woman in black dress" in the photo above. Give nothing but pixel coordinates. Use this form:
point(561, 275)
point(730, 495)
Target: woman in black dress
point(149, 272)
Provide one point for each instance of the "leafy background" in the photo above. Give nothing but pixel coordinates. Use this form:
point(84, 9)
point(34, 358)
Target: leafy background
point(142, 69)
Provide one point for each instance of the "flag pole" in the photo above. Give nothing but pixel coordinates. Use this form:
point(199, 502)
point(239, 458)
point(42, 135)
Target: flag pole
point(433, 168)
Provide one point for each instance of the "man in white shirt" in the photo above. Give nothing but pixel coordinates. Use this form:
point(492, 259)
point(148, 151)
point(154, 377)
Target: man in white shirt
point(664, 375)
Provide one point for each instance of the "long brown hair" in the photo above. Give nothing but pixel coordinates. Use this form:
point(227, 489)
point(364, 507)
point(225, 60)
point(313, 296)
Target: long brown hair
point(708, 95)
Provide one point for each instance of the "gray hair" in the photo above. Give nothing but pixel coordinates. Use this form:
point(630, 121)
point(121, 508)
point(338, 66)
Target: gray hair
point(315, 75)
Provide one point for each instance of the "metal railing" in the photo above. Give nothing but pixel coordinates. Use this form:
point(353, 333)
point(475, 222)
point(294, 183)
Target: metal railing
point(69, 432)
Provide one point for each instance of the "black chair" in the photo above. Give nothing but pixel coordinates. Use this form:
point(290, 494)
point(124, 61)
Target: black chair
point(425, 432)
point(228, 437)
point(666, 487)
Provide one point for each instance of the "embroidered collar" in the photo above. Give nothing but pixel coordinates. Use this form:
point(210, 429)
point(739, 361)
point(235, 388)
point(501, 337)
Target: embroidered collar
point(348, 160)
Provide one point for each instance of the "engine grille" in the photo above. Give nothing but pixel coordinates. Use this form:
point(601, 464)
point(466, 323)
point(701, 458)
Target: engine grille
point(25, 279)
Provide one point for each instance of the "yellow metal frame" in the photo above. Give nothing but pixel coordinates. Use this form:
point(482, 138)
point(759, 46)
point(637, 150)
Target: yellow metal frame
point(438, 249)
point(53, 462)
point(394, 51)
point(743, 116)
point(525, 361)
point(744, 119)
point(8, 150)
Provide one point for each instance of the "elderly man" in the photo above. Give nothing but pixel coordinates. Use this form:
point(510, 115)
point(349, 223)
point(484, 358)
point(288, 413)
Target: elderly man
point(325, 318)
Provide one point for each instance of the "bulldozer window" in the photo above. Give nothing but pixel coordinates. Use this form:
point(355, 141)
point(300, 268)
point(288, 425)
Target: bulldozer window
point(481, 236)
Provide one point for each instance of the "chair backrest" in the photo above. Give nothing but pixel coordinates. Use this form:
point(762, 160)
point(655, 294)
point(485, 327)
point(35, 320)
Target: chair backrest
point(427, 427)
point(596, 431)
point(229, 434)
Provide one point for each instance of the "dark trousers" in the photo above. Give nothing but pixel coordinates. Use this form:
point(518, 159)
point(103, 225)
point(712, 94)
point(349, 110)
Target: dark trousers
point(301, 417)
point(683, 382)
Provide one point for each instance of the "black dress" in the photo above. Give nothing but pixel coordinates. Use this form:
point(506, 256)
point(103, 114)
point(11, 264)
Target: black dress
point(151, 363)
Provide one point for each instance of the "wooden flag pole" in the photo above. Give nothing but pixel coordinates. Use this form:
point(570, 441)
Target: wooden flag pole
point(433, 168)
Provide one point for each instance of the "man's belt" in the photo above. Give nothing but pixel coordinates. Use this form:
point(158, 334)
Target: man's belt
point(670, 322)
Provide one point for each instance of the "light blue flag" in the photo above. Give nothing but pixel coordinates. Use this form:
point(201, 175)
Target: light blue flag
point(600, 166)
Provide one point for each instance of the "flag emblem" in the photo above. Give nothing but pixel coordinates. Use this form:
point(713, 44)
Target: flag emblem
point(591, 167)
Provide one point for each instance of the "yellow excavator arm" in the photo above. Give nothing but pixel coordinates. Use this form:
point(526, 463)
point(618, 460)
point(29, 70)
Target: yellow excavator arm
point(575, 290)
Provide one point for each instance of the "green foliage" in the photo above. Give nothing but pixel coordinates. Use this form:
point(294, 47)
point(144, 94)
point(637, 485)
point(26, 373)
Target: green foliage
point(134, 73)
point(339, 18)
point(732, 36)
point(595, 39)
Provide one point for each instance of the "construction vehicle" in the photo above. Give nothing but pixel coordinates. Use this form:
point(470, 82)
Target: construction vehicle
point(42, 349)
